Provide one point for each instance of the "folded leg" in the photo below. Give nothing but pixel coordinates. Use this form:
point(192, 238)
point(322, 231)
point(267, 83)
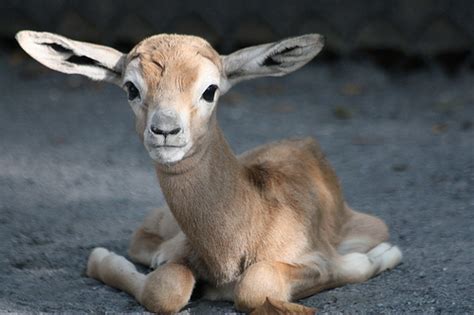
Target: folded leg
point(158, 227)
point(165, 290)
point(313, 273)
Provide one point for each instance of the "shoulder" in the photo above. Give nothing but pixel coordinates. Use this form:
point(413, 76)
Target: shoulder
point(282, 151)
point(286, 162)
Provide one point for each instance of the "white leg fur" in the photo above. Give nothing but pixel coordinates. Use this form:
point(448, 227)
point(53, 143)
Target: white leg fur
point(379, 250)
point(357, 267)
point(386, 255)
point(95, 258)
point(115, 271)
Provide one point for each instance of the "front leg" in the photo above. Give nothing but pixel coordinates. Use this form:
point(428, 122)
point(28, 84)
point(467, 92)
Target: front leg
point(261, 281)
point(172, 250)
point(165, 290)
point(158, 227)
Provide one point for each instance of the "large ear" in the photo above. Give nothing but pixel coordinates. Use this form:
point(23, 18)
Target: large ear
point(69, 56)
point(274, 59)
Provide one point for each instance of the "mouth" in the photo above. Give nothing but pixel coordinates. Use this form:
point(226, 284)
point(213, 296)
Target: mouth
point(167, 146)
point(166, 153)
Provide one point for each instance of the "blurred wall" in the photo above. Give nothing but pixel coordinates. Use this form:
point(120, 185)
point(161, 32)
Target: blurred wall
point(412, 26)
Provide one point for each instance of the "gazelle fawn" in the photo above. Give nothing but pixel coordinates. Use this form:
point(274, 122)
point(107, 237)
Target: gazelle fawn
point(271, 222)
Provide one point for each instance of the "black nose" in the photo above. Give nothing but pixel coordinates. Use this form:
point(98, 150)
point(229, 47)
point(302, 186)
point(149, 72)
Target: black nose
point(165, 133)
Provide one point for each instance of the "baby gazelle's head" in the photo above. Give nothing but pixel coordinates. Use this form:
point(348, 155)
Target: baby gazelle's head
point(173, 82)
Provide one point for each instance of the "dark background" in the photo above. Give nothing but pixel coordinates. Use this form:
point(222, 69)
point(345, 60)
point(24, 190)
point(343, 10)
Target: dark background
point(390, 99)
point(407, 33)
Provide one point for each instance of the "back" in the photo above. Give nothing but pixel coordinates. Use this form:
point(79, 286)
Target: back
point(293, 175)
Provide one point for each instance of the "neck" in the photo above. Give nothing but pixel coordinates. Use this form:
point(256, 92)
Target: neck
point(204, 192)
point(211, 150)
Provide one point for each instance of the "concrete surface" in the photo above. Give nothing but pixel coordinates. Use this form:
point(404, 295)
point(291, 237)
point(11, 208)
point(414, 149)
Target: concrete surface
point(73, 176)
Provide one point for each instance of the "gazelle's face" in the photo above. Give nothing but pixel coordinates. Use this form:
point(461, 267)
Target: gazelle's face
point(173, 84)
point(173, 81)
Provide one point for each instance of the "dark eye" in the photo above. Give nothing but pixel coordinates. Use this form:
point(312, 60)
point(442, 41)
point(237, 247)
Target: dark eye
point(132, 91)
point(209, 93)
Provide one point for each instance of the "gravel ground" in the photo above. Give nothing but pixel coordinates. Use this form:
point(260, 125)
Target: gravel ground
point(73, 176)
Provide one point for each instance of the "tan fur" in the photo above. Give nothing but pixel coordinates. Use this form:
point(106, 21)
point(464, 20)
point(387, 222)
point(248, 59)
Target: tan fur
point(278, 203)
point(269, 223)
point(168, 288)
point(143, 245)
point(169, 63)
